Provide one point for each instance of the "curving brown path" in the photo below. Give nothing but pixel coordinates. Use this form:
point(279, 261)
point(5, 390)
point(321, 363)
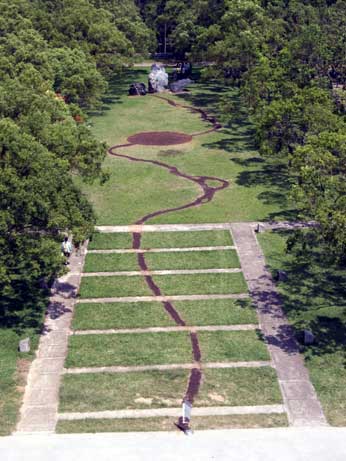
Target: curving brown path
point(206, 196)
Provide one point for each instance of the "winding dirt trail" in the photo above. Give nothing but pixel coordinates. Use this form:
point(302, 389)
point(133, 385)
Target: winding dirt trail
point(208, 192)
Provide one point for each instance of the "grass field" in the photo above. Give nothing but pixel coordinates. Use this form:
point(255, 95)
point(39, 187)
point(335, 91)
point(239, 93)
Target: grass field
point(157, 389)
point(105, 241)
point(146, 314)
point(258, 187)
point(162, 348)
point(160, 261)
point(191, 284)
point(314, 298)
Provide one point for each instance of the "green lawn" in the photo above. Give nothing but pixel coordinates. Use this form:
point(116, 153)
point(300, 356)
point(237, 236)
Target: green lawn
point(164, 389)
point(161, 261)
point(314, 298)
point(129, 349)
point(258, 187)
point(108, 241)
point(162, 348)
point(167, 424)
point(229, 346)
point(191, 284)
point(149, 314)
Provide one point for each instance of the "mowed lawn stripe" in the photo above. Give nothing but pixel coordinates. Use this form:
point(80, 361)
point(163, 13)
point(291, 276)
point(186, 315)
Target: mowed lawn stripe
point(164, 389)
point(194, 284)
point(109, 241)
point(163, 348)
point(161, 261)
point(149, 314)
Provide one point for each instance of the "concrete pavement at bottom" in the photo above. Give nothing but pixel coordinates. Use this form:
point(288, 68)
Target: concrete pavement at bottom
point(283, 444)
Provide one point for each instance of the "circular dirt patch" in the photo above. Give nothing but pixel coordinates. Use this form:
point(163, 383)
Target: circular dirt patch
point(159, 138)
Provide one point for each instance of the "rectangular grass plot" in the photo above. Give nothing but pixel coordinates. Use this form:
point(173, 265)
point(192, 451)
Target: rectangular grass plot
point(149, 314)
point(239, 387)
point(193, 260)
point(116, 391)
point(176, 239)
point(129, 349)
point(162, 261)
point(109, 241)
point(120, 315)
point(232, 346)
point(110, 262)
point(191, 284)
point(184, 239)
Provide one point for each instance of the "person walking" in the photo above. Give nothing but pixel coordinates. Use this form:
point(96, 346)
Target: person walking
point(66, 248)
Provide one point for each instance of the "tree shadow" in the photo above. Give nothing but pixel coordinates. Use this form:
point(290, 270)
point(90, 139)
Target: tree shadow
point(313, 297)
point(118, 87)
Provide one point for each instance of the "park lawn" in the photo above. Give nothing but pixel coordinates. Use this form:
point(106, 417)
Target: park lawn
point(167, 423)
point(314, 298)
point(258, 187)
point(230, 346)
point(129, 349)
point(149, 314)
point(162, 261)
point(176, 239)
point(186, 284)
point(165, 389)
point(120, 315)
point(114, 262)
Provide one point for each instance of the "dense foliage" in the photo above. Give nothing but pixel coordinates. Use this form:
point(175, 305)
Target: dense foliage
point(55, 57)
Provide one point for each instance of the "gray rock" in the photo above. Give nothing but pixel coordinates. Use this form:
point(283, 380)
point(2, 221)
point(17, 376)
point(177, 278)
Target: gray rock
point(24, 345)
point(309, 337)
point(180, 85)
point(281, 276)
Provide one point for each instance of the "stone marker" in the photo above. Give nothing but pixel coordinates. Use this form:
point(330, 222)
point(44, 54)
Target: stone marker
point(309, 337)
point(259, 228)
point(24, 345)
point(281, 276)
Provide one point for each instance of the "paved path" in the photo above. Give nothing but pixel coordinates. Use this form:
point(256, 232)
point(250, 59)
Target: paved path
point(241, 327)
point(173, 412)
point(303, 406)
point(286, 444)
point(172, 366)
point(40, 403)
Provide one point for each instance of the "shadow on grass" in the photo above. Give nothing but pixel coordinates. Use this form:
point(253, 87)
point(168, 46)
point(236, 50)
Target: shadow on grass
point(118, 87)
point(314, 298)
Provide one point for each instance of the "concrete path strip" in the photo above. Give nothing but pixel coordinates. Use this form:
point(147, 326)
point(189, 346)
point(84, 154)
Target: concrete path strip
point(174, 366)
point(40, 403)
point(173, 412)
point(304, 408)
point(113, 331)
point(163, 227)
point(163, 250)
point(162, 272)
point(134, 299)
point(206, 226)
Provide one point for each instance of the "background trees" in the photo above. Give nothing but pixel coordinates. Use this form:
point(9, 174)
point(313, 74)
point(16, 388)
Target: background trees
point(55, 58)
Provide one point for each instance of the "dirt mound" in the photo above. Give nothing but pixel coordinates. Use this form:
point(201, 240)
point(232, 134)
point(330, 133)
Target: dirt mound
point(159, 138)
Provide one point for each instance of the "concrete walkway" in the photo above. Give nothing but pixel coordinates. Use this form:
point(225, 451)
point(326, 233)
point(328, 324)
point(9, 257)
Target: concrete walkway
point(283, 444)
point(40, 404)
point(303, 406)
